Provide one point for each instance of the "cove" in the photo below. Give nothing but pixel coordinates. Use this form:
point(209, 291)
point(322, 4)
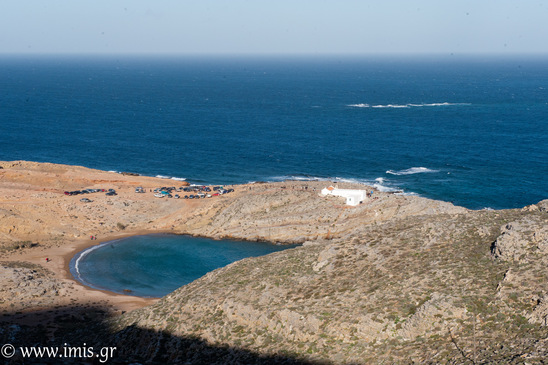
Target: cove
point(155, 265)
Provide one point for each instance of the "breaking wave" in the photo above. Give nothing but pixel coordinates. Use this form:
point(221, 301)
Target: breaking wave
point(411, 171)
point(410, 105)
point(380, 184)
point(75, 262)
point(298, 178)
point(170, 177)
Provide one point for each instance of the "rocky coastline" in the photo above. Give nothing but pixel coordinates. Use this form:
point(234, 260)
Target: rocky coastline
point(397, 279)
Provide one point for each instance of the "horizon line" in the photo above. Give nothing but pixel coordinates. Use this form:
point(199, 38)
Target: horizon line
point(273, 54)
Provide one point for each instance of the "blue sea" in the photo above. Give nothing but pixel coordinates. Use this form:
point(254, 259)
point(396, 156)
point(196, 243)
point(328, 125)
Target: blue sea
point(470, 130)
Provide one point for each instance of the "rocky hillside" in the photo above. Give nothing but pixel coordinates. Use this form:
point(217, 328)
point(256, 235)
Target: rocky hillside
point(398, 279)
point(295, 212)
point(451, 287)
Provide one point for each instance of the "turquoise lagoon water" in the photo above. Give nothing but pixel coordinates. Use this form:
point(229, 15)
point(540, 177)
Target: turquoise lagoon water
point(155, 265)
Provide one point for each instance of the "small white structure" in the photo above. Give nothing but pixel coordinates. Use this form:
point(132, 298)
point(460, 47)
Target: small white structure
point(353, 197)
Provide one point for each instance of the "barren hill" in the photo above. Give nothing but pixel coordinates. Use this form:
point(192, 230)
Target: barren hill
point(398, 279)
point(438, 288)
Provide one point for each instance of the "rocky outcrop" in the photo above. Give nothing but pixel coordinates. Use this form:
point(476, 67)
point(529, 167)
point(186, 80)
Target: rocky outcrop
point(22, 284)
point(522, 238)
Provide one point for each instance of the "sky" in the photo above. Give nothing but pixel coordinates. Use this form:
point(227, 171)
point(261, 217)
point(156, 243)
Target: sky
point(273, 27)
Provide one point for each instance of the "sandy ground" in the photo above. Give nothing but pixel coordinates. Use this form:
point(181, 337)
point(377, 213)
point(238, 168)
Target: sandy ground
point(34, 208)
point(38, 221)
point(76, 296)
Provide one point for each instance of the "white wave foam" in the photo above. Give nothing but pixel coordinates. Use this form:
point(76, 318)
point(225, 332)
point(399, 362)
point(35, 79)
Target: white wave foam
point(298, 178)
point(410, 105)
point(352, 180)
point(403, 193)
point(163, 177)
point(377, 183)
point(411, 171)
point(304, 178)
point(86, 252)
point(380, 184)
point(391, 106)
point(359, 181)
point(434, 104)
point(81, 256)
point(385, 189)
point(178, 178)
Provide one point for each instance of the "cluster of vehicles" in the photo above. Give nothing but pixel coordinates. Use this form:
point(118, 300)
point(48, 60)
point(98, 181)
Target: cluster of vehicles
point(200, 192)
point(109, 192)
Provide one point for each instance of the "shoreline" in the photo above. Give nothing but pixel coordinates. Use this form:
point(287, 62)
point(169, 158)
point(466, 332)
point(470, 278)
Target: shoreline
point(80, 247)
point(83, 247)
point(59, 265)
point(35, 209)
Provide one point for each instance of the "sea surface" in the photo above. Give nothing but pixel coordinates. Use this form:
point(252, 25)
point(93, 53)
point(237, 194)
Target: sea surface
point(469, 130)
point(155, 265)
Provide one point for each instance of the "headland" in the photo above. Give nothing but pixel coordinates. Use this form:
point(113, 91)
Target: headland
point(394, 278)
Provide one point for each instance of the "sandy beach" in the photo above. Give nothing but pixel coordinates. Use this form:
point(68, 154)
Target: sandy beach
point(39, 222)
point(73, 297)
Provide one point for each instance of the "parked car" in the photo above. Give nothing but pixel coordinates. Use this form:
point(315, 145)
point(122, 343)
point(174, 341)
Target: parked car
point(111, 193)
point(86, 200)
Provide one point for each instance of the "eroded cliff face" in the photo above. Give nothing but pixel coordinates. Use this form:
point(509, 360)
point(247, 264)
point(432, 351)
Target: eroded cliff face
point(395, 279)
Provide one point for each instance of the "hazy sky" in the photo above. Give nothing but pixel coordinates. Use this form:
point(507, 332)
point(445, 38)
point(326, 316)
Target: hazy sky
point(275, 26)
